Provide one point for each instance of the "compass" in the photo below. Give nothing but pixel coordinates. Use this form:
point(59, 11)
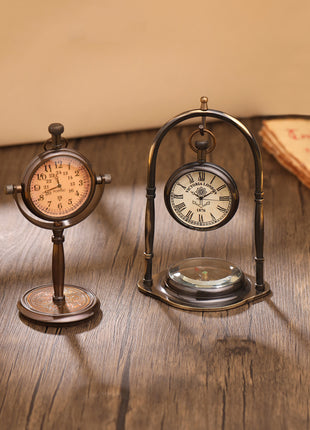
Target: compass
point(59, 189)
point(203, 196)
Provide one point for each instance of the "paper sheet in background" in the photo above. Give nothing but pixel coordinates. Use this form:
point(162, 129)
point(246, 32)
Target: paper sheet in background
point(288, 140)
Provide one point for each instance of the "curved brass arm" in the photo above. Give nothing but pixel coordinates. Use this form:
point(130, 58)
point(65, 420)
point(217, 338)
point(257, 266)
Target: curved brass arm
point(151, 188)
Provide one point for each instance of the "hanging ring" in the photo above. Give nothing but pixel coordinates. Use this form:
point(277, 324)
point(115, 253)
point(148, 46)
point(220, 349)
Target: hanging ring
point(202, 131)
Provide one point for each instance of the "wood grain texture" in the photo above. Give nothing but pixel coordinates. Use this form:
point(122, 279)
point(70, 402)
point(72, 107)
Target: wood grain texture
point(140, 364)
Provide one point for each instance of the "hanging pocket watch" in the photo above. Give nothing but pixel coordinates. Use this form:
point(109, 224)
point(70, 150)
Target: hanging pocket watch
point(201, 196)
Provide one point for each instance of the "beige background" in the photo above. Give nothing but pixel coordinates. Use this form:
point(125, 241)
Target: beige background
point(107, 66)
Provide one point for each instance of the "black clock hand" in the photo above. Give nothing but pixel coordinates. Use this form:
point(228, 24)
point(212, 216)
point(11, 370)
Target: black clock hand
point(195, 194)
point(208, 194)
point(50, 189)
point(57, 186)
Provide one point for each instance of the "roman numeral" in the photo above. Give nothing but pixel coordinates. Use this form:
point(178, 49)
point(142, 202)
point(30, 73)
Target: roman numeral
point(213, 218)
point(180, 207)
point(220, 208)
point(189, 215)
point(212, 179)
point(201, 176)
point(200, 218)
point(190, 178)
point(177, 196)
point(221, 187)
point(184, 188)
point(224, 198)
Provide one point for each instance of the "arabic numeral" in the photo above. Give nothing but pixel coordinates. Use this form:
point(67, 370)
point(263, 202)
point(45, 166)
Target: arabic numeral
point(41, 176)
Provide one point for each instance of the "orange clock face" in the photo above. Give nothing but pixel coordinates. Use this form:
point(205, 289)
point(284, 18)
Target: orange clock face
point(60, 186)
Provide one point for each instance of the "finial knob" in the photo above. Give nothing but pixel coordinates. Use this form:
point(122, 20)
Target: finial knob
point(204, 103)
point(56, 128)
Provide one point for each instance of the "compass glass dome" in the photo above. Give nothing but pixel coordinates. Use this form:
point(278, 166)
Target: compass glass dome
point(203, 273)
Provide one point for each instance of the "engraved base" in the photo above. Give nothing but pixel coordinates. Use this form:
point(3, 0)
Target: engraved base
point(162, 291)
point(37, 304)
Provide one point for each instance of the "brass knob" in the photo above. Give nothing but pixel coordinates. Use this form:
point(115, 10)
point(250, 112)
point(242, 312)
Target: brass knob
point(204, 103)
point(56, 128)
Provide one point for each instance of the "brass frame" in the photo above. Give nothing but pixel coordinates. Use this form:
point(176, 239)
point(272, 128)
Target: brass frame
point(148, 284)
point(72, 309)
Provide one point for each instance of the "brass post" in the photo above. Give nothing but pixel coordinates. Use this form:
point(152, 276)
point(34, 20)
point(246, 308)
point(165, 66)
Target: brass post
point(58, 265)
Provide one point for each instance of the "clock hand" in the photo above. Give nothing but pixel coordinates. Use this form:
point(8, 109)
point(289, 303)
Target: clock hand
point(57, 186)
point(201, 197)
point(195, 194)
point(208, 194)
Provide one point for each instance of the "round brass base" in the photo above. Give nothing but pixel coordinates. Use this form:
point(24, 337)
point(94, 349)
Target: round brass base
point(162, 291)
point(78, 305)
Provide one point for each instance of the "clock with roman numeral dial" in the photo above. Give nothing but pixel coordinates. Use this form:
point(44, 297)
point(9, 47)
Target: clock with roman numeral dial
point(58, 184)
point(201, 196)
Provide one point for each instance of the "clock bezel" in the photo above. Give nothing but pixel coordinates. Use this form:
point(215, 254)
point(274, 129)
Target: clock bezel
point(213, 169)
point(43, 158)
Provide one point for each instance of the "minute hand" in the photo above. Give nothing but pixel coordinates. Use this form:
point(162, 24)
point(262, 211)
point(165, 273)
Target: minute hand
point(57, 186)
point(208, 194)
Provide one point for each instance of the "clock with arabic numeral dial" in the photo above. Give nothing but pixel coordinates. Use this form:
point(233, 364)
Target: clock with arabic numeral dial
point(201, 196)
point(58, 190)
point(58, 185)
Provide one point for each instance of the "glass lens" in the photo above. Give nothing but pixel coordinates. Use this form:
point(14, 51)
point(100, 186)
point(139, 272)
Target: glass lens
point(204, 272)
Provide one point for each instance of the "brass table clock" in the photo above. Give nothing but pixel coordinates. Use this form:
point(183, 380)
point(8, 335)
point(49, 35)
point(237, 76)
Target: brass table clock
point(59, 189)
point(203, 196)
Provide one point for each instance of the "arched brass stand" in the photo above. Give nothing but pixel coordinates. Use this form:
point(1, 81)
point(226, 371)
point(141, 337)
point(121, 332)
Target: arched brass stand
point(157, 285)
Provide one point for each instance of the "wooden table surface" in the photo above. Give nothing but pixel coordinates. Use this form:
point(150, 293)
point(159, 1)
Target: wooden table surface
point(140, 364)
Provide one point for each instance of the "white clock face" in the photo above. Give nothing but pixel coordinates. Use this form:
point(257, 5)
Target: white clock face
point(201, 199)
point(60, 186)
